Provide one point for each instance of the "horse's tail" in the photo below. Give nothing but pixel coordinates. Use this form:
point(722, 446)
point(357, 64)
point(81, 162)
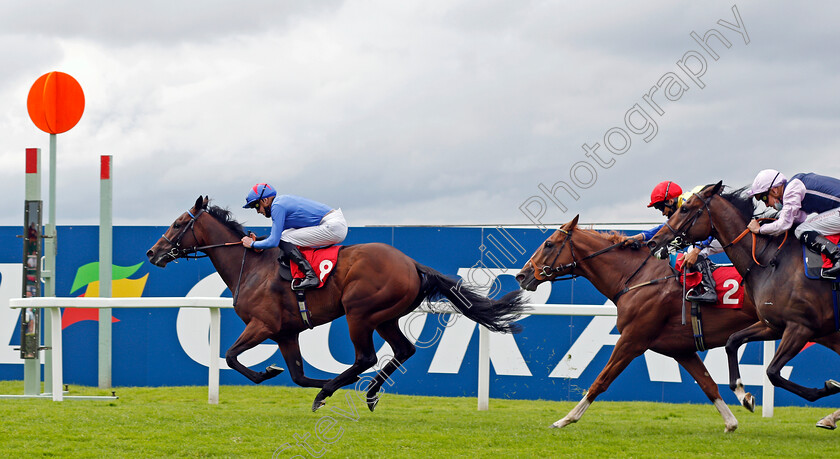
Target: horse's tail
point(497, 315)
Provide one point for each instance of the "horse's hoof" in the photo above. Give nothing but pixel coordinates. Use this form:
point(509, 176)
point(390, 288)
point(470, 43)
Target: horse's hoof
point(749, 402)
point(730, 428)
point(560, 424)
point(832, 386)
point(826, 424)
point(372, 401)
point(319, 400)
point(272, 371)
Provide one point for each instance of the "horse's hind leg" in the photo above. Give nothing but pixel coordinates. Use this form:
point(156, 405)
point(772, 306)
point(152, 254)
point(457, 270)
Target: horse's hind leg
point(403, 349)
point(793, 340)
point(698, 371)
point(290, 348)
point(832, 342)
point(626, 349)
point(255, 333)
point(362, 337)
point(829, 422)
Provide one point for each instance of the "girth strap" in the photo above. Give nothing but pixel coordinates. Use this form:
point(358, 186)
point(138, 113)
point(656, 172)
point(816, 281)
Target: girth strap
point(697, 326)
point(304, 311)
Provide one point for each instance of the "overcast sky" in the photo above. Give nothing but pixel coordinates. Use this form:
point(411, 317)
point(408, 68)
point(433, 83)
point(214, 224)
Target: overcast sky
point(419, 112)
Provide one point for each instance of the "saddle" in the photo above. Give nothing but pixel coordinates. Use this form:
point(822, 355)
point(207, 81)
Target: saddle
point(728, 285)
point(322, 260)
point(815, 262)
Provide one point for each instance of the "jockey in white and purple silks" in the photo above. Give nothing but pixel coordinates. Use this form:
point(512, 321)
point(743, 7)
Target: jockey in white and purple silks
point(295, 221)
point(810, 199)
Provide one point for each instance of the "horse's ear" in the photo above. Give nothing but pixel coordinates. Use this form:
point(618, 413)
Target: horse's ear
point(199, 203)
point(206, 202)
point(572, 223)
point(717, 188)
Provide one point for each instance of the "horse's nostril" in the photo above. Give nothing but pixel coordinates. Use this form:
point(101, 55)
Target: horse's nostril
point(520, 277)
point(150, 253)
point(651, 245)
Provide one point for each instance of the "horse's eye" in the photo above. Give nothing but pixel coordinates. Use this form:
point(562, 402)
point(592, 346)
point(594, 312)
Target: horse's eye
point(176, 225)
point(549, 244)
point(684, 209)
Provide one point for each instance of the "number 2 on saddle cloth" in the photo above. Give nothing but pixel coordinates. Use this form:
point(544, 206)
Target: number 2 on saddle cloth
point(730, 292)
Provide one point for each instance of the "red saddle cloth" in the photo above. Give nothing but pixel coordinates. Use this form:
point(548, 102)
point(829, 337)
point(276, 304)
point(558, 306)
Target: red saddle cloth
point(827, 263)
point(322, 261)
point(728, 285)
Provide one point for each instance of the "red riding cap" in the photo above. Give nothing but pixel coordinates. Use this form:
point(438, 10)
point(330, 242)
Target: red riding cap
point(664, 191)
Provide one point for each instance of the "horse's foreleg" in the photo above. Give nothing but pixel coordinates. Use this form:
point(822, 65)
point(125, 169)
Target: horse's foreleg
point(698, 371)
point(290, 348)
point(255, 333)
point(403, 349)
point(758, 331)
point(624, 352)
point(362, 337)
point(793, 340)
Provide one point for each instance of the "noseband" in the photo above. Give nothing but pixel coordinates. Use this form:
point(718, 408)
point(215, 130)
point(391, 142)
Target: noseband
point(551, 270)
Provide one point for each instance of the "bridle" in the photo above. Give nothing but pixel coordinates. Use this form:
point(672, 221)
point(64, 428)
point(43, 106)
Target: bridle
point(688, 224)
point(550, 270)
point(177, 251)
point(680, 233)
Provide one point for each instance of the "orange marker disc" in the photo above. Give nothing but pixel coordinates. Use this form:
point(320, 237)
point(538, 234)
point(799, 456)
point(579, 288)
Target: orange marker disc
point(55, 102)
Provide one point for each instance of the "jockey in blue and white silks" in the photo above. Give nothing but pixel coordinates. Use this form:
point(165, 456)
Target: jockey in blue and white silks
point(810, 199)
point(295, 221)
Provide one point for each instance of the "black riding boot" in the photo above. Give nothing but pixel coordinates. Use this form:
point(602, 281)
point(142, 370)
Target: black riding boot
point(820, 244)
point(705, 291)
point(311, 280)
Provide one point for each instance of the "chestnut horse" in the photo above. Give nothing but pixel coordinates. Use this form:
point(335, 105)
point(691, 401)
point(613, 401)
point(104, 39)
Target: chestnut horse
point(790, 306)
point(372, 284)
point(649, 302)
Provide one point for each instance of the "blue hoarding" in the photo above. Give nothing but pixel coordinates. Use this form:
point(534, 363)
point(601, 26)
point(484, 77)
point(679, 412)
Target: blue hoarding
point(554, 358)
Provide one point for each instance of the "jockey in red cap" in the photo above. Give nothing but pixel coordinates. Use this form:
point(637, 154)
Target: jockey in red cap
point(667, 197)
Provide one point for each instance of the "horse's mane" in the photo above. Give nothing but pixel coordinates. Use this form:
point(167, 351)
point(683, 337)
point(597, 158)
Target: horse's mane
point(742, 202)
point(226, 218)
point(612, 236)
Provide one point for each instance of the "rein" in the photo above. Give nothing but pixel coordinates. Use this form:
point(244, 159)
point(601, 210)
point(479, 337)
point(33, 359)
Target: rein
point(547, 270)
point(177, 252)
point(754, 243)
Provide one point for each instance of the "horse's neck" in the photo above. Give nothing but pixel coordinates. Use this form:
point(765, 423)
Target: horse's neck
point(728, 225)
point(611, 271)
point(226, 260)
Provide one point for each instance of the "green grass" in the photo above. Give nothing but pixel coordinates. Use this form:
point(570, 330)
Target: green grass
point(255, 421)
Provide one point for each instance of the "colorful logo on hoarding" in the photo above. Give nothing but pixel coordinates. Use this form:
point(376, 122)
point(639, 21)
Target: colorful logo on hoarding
point(87, 276)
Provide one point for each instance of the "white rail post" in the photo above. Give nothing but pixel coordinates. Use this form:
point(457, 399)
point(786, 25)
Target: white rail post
point(213, 367)
point(767, 394)
point(483, 368)
point(57, 375)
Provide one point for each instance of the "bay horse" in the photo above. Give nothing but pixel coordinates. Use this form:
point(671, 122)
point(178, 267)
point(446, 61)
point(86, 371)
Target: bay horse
point(790, 306)
point(372, 284)
point(649, 302)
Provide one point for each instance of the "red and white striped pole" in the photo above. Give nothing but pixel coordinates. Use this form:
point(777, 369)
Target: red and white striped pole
point(105, 272)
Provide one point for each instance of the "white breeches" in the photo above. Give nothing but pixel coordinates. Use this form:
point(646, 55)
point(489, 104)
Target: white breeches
point(331, 230)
